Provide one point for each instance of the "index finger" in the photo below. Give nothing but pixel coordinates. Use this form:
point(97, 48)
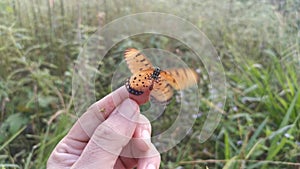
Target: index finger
point(85, 126)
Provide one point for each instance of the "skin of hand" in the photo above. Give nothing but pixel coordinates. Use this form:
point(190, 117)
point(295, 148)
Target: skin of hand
point(110, 134)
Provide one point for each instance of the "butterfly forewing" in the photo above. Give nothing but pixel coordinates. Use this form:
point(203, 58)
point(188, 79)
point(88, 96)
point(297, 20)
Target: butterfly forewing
point(136, 61)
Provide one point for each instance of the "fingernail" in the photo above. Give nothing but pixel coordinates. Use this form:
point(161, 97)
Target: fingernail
point(150, 166)
point(128, 108)
point(145, 134)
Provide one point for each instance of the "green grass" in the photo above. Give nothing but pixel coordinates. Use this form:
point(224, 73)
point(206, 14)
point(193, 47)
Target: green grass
point(258, 43)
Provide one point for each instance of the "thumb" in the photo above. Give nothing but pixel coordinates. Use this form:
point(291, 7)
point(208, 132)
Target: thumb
point(110, 137)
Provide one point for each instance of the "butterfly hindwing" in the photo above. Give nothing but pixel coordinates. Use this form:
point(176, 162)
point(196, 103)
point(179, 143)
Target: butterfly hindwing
point(140, 81)
point(162, 92)
point(180, 78)
point(136, 61)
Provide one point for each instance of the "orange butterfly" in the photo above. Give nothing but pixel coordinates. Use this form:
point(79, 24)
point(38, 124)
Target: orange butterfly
point(159, 82)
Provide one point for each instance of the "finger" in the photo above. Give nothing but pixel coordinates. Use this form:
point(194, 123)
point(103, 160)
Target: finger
point(150, 162)
point(110, 137)
point(98, 112)
point(65, 154)
point(149, 158)
point(141, 140)
point(138, 144)
point(144, 159)
point(141, 99)
point(142, 134)
point(127, 163)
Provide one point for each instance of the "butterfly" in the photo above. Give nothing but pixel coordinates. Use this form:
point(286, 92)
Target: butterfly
point(161, 83)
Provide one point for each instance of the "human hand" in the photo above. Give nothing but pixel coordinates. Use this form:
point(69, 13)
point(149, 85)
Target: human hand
point(110, 134)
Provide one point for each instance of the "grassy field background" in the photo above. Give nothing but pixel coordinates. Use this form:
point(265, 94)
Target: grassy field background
point(257, 41)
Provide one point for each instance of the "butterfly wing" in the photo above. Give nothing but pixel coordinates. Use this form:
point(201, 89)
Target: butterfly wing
point(139, 82)
point(180, 78)
point(162, 92)
point(136, 61)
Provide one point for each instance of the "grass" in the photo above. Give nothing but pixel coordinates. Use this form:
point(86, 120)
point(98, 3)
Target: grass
point(258, 43)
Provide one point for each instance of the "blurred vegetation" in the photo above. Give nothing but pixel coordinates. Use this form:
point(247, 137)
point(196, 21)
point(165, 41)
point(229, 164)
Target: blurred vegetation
point(258, 42)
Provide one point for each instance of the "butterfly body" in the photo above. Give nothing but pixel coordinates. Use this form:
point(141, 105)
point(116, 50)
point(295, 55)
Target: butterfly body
point(155, 73)
point(143, 80)
point(149, 78)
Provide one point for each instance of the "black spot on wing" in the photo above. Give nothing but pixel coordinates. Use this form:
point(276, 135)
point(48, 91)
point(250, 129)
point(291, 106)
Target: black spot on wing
point(176, 72)
point(138, 54)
